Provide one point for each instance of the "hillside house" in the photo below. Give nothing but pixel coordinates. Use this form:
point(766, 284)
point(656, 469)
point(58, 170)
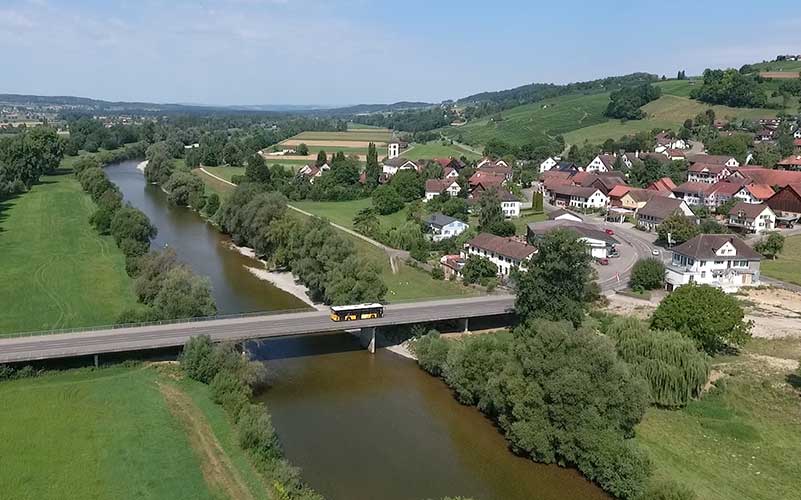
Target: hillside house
point(442, 227)
point(665, 141)
point(663, 185)
point(395, 147)
point(752, 218)
point(392, 166)
point(437, 187)
point(548, 164)
point(724, 160)
point(506, 253)
point(708, 173)
point(450, 163)
point(718, 260)
point(659, 208)
point(311, 172)
point(675, 154)
point(632, 198)
point(754, 193)
point(601, 163)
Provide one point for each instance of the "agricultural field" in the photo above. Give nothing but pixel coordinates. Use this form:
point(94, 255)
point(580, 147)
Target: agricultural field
point(788, 266)
point(352, 142)
point(124, 433)
point(435, 149)
point(550, 116)
point(741, 440)
point(57, 271)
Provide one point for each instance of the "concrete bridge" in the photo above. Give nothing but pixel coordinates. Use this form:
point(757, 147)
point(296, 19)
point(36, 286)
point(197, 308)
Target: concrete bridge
point(141, 338)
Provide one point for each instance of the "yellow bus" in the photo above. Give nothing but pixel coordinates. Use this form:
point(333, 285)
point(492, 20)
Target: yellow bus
point(356, 312)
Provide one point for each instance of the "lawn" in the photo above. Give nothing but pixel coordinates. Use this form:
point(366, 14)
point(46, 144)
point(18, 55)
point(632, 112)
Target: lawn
point(788, 266)
point(742, 441)
point(342, 212)
point(436, 149)
point(107, 434)
point(525, 218)
point(226, 173)
point(57, 271)
point(358, 127)
point(379, 135)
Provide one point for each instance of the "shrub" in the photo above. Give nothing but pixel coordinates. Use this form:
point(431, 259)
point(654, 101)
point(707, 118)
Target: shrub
point(471, 362)
point(256, 433)
point(230, 392)
point(197, 359)
point(437, 273)
point(432, 352)
point(647, 274)
point(668, 490)
point(477, 268)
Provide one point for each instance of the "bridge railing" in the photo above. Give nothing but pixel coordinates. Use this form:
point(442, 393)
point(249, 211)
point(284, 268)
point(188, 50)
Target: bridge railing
point(35, 333)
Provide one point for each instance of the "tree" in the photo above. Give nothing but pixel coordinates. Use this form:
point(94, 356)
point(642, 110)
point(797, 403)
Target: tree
point(736, 145)
point(725, 207)
point(302, 149)
point(478, 269)
point(456, 208)
point(711, 226)
point(490, 213)
point(257, 170)
point(676, 229)
point(184, 295)
point(770, 246)
point(355, 281)
point(713, 319)
point(669, 362)
point(366, 221)
point(386, 200)
point(556, 282)
point(647, 274)
point(626, 102)
point(186, 189)
point(212, 204)
point(158, 169)
point(409, 184)
point(766, 155)
point(372, 169)
point(731, 88)
point(322, 158)
point(232, 154)
point(132, 223)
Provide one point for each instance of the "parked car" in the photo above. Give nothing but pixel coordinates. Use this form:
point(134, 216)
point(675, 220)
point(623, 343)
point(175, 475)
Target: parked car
point(655, 252)
point(610, 232)
point(602, 262)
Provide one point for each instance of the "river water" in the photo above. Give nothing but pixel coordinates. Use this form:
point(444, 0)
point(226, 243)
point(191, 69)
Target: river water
point(361, 426)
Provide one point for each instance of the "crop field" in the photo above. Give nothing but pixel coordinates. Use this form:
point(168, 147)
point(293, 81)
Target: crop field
point(57, 271)
point(353, 142)
point(375, 135)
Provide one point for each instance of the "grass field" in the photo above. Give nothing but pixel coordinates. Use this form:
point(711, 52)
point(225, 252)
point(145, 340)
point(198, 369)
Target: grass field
point(57, 271)
point(115, 433)
point(739, 442)
point(788, 266)
point(362, 126)
point(436, 149)
point(375, 135)
point(525, 218)
point(342, 212)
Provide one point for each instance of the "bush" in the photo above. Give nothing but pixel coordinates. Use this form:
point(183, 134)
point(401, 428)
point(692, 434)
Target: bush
point(668, 490)
point(228, 391)
point(212, 204)
point(647, 274)
point(713, 319)
point(471, 362)
point(437, 273)
point(432, 352)
point(477, 268)
point(197, 359)
point(256, 433)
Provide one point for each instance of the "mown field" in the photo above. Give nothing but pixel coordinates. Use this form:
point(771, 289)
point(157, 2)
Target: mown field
point(435, 149)
point(788, 266)
point(122, 433)
point(739, 442)
point(375, 135)
point(57, 271)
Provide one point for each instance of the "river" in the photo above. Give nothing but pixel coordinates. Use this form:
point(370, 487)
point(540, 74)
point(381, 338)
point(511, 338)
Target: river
point(361, 426)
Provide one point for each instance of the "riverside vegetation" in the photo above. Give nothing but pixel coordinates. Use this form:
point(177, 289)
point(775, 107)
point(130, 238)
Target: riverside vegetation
point(572, 392)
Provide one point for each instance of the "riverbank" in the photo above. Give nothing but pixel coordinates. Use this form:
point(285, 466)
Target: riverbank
point(282, 280)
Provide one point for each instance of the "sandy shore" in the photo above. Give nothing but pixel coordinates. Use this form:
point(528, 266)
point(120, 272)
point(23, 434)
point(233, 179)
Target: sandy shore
point(284, 281)
point(141, 165)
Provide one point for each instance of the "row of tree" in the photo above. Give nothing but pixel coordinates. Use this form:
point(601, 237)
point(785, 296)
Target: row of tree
point(27, 156)
point(626, 102)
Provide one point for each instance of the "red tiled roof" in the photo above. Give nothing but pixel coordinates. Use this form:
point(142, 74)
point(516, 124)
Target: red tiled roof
point(770, 177)
point(619, 191)
point(724, 188)
point(438, 185)
point(583, 192)
point(760, 191)
point(675, 153)
point(665, 184)
point(791, 161)
point(797, 143)
point(711, 159)
point(749, 210)
point(507, 247)
point(487, 178)
point(709, 167)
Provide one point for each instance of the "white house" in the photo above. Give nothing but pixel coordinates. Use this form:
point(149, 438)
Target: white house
point(601, 163)
point(312, 172)
point(725, 160)
point(719, 260)
point(599, 244)
point(393, 165)
point(436, 187)
point(577, 197)
point(443, 227)
point(566, 215)
point(659, 208)
point(506, 253)
point(752, 218)
point(664, 142)
point(548, 164)
point(510, 204)
point(708, 173)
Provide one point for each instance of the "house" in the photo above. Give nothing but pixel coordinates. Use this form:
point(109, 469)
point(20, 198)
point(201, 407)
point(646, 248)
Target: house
point(601, 163)
point(709, 173)
point(786, 203)
point(765, 176)
point(563, 214)
point(764, 135)
point(395, 147)
point(312, 171)
point(437, 187)
point(694, 193)
point(719, 260)
point(663, 185)
point(664, 142)
point(632, 198)
point(443, 227)
point(599, 244)
point(450, 173)
point(497, 168)
point(725, 160)
point(451, 266)
point(393, 165)
point(487, 179)
point(754, 193)
point(450, 163)
point(791, 162)
point(568, 166)
point(489, 162)
point(675, 154)
point(605, 181)
point(577, 197)
point(752, 218)
point(659, 208)
point(548, 164)
point(506, 253)
point(510, 204)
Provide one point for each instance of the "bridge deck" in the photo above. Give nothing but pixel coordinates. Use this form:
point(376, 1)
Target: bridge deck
point(65, 345)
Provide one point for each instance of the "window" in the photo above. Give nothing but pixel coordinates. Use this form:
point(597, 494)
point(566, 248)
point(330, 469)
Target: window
point(718, 262)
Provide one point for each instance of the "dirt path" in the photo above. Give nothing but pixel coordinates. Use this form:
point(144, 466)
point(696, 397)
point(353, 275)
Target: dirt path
point(218, 471)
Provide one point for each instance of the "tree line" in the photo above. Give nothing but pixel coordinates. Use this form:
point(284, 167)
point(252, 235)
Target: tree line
point(26, 157)
point(626, 102)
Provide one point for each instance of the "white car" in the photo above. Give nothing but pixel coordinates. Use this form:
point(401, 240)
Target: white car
point(655, 252)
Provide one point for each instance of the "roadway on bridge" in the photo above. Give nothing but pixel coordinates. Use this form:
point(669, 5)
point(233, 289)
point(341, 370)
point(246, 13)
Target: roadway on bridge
point(19, 349)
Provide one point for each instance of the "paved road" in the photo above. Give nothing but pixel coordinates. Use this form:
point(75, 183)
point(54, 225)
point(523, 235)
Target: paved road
point(238, 329)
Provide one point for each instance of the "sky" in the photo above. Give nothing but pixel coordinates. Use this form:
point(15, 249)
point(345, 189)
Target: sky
point(339, 52)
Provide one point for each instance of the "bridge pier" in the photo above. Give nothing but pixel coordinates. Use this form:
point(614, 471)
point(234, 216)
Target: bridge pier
point(466, 325)
point(97, 360)
point(370, 332)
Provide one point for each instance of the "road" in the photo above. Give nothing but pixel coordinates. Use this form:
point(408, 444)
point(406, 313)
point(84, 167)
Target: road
point(20, 349)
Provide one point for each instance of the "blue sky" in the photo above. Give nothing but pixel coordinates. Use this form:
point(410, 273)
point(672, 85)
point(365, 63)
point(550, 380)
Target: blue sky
point(366, 51)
